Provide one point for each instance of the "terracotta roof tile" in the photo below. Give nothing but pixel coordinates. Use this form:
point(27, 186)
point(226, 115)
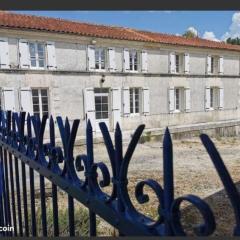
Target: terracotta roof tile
point(29, 22)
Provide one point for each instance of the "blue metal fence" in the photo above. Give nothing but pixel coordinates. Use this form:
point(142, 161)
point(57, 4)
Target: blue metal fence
point(22, 144)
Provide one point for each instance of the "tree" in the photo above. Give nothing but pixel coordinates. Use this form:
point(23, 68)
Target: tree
point(189, 34)
point(234, 41)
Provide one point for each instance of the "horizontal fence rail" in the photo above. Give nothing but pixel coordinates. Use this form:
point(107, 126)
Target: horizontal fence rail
point(23, 152)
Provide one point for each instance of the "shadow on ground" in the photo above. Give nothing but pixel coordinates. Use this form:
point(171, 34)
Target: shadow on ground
point(222, 209)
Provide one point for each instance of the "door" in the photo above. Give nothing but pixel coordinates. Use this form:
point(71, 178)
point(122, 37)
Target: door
point(101, 97)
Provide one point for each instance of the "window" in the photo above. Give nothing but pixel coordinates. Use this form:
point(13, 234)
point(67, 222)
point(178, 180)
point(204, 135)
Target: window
point(214, 98)
point(102, 103)
point(212, 65)
point(134, 100)
point(177, 61)
point(100, 58)
point(40, 102)
point(179, 99)
point(37, 55)
point(133, 60)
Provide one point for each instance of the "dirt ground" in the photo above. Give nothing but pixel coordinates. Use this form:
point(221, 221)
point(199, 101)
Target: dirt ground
point(194, 173)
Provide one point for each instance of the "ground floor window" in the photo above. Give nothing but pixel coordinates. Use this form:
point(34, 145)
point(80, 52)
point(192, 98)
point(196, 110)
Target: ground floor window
point(134, 100)
point(40, 102)
point(214, 98)
point(179, 99)
point(101, 103)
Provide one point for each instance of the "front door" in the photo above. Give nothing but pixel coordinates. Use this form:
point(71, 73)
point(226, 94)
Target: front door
point(101, 96)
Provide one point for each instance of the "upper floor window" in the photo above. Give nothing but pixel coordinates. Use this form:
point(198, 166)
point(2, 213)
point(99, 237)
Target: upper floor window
point(134, 100)
point(37, 55)
point(214, 65)
point(40, 102)
point(179, 63)
point(133, 60)
point(100, 58)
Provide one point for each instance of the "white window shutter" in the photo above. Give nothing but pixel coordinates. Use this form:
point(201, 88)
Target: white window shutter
point(111, 59)
point(207, 98)
point(116, 106)
point(91, 58)
point(9, 99)
point(89, 106)
point(126, 101)
point(221, 98)
point(26, 100)
point(24, 55)
point(171, 99)
point(144, 61)
point(221, 65)
point(126, 60)
point(186, 63)
point(4, 53)
point(208, 64)
point(172, 63)
point(51, 56)
point(187, 100)
point(146, 100)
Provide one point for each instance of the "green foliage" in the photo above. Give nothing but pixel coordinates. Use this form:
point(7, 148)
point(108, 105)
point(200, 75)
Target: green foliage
point(234, 41)
point(189, 34)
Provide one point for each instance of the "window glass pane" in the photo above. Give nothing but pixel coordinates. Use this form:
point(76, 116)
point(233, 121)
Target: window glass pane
point(40, 48)
point(105, 99)
point(98, 115)
point(35, 108)
point(41, 63)
point(32, 50)
point(33, 62)
point(105, 107)
point(98, 107)
point(44, 92)
point(34, 92)
point(35, 100)
point(104, 115)
point(135, 61)
point(45, 108)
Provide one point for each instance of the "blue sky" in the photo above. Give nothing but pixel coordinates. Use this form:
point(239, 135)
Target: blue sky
point(215, 25)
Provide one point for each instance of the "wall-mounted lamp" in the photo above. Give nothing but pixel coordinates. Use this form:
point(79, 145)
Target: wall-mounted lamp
point(102, 80)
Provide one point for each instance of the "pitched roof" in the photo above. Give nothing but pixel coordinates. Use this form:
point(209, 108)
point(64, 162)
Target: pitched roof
point(55, 25)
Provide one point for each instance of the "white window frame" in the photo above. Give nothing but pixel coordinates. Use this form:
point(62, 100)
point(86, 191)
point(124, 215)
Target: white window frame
point(181, 99)
point(134, 61)
point(134, 113)
point(214, 98)
point(40, 101)
point(36, 55)
point(106, 94)
point(99, 50)
point(177, 66)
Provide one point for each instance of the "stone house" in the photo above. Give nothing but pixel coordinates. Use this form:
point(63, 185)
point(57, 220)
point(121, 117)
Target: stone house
point(114, 74)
